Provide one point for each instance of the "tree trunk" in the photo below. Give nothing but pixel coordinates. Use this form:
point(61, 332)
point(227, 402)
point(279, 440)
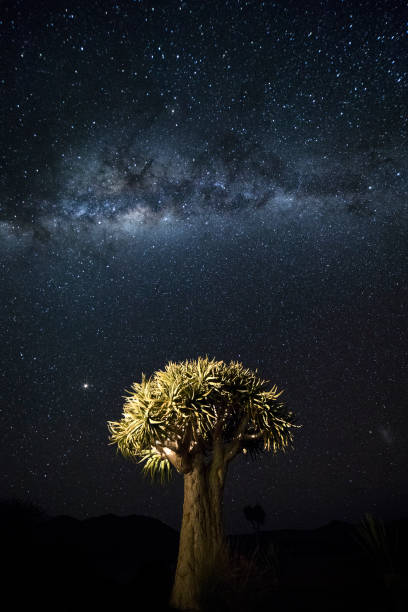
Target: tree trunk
point(202, 532)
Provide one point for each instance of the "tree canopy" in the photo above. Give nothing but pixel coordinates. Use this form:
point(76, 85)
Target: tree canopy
point(197, 406)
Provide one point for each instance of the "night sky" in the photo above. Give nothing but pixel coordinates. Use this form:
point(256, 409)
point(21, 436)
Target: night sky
point(188, 178)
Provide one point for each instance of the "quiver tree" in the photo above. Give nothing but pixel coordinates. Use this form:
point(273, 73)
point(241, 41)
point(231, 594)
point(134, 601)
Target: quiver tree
point(196, 416)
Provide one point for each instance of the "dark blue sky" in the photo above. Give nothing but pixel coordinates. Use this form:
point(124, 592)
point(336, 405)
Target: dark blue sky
point(188, 178)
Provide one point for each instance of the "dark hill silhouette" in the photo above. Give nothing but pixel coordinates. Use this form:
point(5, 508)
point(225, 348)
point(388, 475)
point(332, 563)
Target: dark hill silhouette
point(130, 561)
point(100, 561)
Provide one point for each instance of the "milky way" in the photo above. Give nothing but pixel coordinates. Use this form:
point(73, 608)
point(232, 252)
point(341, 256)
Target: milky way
point(102, 181)
point(185, 179)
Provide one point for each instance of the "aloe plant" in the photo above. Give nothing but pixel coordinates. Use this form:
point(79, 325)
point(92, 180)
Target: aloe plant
point(196, 416)
point(377, 542)
point(381, 544)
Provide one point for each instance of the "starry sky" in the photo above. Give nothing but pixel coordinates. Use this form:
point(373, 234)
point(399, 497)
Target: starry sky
point(185, 178)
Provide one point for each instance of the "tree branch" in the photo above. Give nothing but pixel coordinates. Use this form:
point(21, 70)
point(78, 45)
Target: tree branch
point(186, 439)
point(233, 447)
point(172, 444)
point(181, 462)
point(256, 436)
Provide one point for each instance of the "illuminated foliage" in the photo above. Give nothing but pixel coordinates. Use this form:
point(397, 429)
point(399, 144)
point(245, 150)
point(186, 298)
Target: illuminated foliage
point(191, 407)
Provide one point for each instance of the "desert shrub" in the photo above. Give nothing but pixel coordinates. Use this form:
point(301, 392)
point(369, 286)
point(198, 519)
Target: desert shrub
point(234, 581)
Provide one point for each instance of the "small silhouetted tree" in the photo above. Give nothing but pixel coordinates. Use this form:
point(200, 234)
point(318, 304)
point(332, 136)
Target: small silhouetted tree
point(196, 416)
point(255, 515)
